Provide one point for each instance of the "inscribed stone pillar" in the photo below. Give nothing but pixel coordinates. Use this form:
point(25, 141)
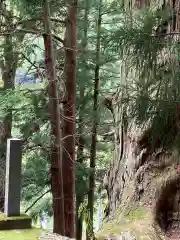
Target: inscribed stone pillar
point(13, 177)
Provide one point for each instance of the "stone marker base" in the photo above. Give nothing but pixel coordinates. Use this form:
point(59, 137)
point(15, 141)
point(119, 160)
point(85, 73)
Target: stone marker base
point(10, 223)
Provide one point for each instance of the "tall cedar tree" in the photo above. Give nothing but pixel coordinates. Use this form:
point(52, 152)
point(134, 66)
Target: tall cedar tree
point(69, 122)
point(56, 183)
point(63, 187)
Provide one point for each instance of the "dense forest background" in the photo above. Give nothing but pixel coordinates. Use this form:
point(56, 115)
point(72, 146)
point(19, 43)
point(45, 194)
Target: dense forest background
point(25, 72)
point(92, 89)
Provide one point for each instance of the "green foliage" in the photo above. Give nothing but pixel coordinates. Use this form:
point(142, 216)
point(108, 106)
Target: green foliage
point(149, 85)
point(30, 105)
point(82, 173)
point(35, 160)
point(28, 7)
point(34, 8)
point(151, 62)
point(44, 205)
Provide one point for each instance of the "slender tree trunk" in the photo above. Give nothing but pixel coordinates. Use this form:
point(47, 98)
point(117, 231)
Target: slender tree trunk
point(79, 199)
point(90, 206)
point(54, 111)
point(69, 123)
point(79, 227)
point(80, 157)
point(8, 79)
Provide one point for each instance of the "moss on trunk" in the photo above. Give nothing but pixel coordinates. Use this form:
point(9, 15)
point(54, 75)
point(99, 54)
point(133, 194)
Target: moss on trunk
point(141, 183)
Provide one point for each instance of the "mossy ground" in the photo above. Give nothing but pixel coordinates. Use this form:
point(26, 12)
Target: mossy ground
point(22, 216)
point(30, 234)
point(137, 221)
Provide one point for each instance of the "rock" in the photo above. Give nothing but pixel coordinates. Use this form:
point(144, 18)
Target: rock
point(126, 236)
point(53, 236)
point(123, 236)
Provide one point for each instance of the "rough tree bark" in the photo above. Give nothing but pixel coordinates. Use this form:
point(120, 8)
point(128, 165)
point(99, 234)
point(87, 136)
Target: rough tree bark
point(69, 122)
point(143, 176)
point(54, 111)
point(90, 205)
point(139, 177)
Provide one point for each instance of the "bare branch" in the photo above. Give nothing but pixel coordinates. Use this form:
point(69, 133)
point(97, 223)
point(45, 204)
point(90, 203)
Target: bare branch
point(39, 198)
point(31, 32)
point(57, 20)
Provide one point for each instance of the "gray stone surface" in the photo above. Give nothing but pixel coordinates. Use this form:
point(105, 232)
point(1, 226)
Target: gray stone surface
point(53, 236)
point(13, 177)
point(123, 236)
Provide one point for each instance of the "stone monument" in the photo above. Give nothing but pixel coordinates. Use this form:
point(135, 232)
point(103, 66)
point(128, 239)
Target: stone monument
point(12, 218)
point(13, 178)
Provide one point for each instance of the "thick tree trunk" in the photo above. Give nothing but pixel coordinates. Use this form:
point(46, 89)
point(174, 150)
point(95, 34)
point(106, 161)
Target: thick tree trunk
point(141, 179)
point(133, 160)
point(90, 205)
point(142, 176)
point(69, 122)
point(54, 111)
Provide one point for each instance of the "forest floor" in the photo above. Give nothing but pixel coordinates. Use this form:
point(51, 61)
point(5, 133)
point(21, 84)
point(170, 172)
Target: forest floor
point(137, 222)
point(31, 234)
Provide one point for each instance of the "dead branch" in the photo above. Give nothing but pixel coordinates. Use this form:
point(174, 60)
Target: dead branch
point(39, 198)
